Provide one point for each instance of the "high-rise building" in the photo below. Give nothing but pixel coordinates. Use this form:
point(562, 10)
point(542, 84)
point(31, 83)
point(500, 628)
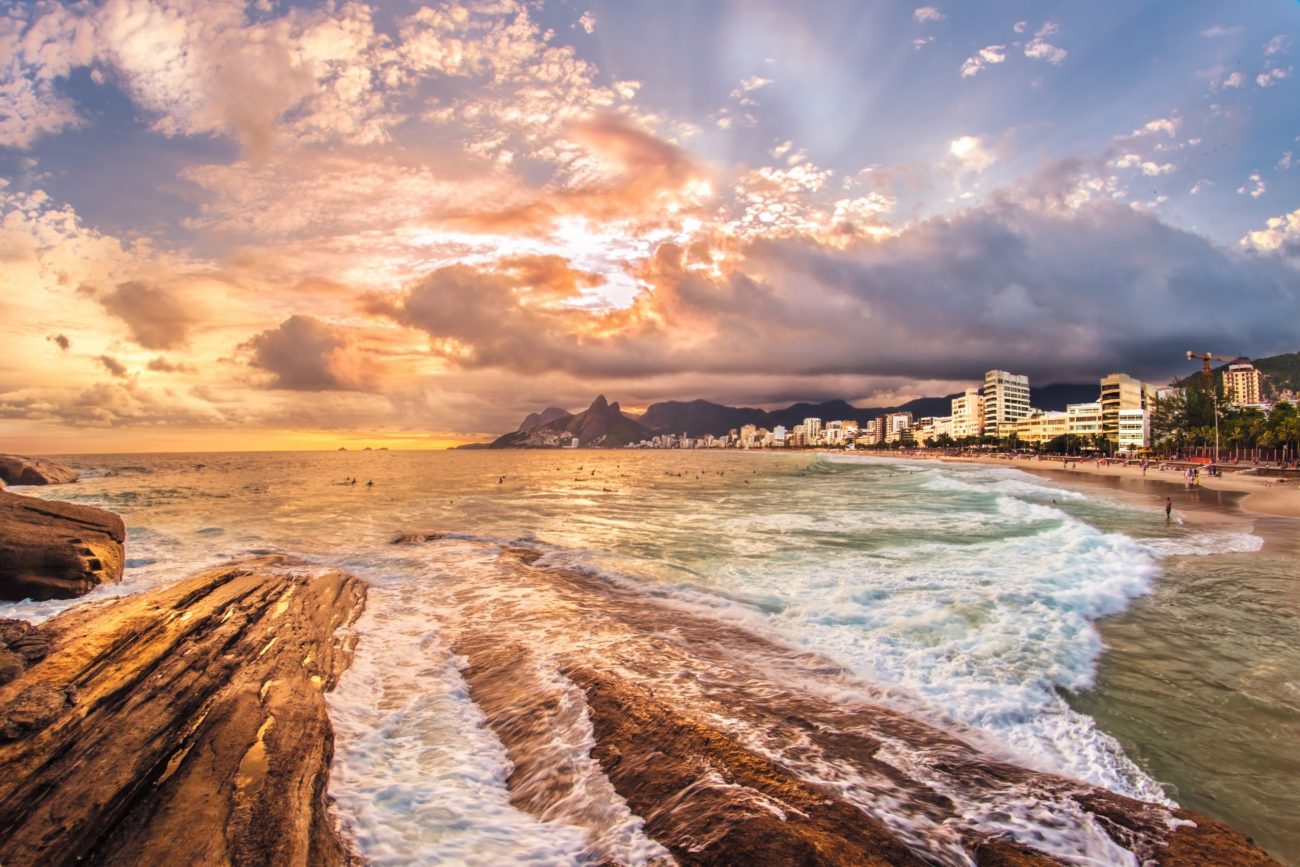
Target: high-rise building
point(1121, 391)
point(812, 428)
point(896, 423)
point(968, 414)
point(1006, 398)
point(1242, 383)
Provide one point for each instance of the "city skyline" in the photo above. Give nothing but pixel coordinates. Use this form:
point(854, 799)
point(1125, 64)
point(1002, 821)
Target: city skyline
point(289, 225)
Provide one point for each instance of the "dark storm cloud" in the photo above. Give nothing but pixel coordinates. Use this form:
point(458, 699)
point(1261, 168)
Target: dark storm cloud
point(306, 354)
point(157, 317)
point(1053, 292)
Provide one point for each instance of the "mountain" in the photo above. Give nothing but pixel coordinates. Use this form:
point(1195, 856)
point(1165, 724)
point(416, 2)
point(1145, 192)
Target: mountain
point(601, 424)
point(1054, 398)
point(699, 417)
point(546, 416)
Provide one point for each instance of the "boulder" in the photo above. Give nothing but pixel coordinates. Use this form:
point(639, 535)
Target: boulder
point(55, 550)
point(19, 470)
point(185, 725)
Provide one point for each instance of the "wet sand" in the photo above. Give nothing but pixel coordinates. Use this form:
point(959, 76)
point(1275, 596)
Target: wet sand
point(1255, 494)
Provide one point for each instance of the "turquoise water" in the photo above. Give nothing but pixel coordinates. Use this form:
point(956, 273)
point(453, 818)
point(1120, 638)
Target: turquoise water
point(979, 598)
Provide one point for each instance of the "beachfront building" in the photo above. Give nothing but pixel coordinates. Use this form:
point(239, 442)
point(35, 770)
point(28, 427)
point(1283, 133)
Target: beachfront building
point(1242, 384)
point(1084, 419)
point(812, 429)
point(1039, 427)
point(1120, 391)
point(897, 424)
point(968, 415)
point(927, 431)
point(748, 436)
point(873, 434)
point(1006, 398)
point(1134, 431)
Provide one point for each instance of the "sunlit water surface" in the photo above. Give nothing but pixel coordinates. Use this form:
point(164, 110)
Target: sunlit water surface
point(980, 598)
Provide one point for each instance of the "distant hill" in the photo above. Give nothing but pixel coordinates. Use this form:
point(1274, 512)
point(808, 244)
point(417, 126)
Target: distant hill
point(702, 417)
point(601, 424)
point(1055, 398)
point(1278, 372)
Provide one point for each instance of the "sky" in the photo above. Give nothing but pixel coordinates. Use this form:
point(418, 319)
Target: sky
point(246, 225)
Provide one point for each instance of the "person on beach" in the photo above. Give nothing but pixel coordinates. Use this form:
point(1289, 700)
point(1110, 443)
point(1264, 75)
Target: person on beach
point(1169, 509)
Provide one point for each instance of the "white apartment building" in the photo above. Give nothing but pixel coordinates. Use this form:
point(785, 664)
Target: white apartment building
point(968, 414)
point(1134, 430)
point(1242, 384)
point(778, 434)
point(927, 431)
point(1006, 398)
point(812, 429)
point(1084, 419)
point(748, 436)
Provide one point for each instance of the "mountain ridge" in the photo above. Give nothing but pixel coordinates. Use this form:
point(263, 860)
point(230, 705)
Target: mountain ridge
point(700, 417)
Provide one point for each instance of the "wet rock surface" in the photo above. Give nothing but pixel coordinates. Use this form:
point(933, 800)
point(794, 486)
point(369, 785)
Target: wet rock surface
point(182, 726)
point(734, 750)
point(56, 550)
point(20, 470)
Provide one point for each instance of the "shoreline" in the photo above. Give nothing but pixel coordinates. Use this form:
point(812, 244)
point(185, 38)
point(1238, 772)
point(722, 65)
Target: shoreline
point(1254, 496)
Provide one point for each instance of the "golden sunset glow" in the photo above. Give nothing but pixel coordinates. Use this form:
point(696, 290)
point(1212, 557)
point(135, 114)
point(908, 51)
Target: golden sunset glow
point(300, 222)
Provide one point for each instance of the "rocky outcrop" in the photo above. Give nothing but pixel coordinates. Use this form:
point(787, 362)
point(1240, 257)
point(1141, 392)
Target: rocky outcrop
point(19, 470)
point(183, 726)
point(546, 416)
point(55, 550)
point(735, 750)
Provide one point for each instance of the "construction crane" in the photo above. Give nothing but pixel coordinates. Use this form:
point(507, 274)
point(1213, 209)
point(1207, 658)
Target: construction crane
point(1205, 359)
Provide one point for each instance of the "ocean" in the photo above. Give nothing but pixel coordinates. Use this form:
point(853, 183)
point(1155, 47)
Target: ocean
point(1068, 630)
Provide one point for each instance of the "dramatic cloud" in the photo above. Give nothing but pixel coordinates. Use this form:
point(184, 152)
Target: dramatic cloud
point(157, 317)
point(250, 214)
point(306, 354)
point(942, 300)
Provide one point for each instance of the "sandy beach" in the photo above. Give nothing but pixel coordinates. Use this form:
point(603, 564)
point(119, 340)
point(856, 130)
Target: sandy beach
point(1259, 495)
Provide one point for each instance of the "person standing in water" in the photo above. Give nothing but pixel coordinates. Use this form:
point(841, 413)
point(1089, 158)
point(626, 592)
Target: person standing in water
point(1169, 509)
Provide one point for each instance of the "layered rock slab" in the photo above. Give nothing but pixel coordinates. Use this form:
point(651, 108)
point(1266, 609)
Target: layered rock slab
point(21, 470)
point(55, 550)
point(183, 726)
point(735, 750)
